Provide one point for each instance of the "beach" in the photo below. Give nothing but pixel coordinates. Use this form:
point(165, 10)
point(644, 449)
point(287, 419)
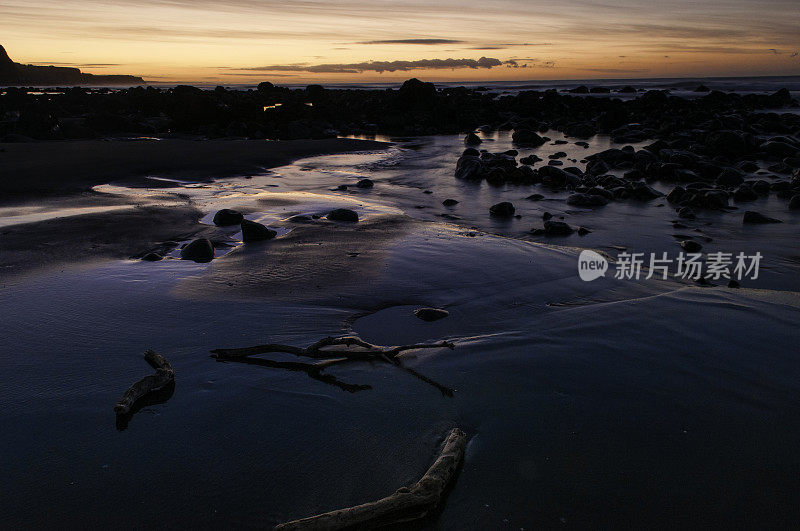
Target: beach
point(616, 402)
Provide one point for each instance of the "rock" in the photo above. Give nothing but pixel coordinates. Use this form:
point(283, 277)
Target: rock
point(583, 231)
point(226, 217)
point(535, 197)
point(472, 139)
point(587, 200)
point(200, 250)
point(557, 228)
point(686, 213)
point(469, 167)
point(449, 202)
point(557, 155)
point(744, 193)
point(733, 284)
point(527, 137)
point(546, 216)
point(152, 257)
point(779, 149)
point(502, 210)
point(691, 246)
point(342, 214)
point(365, 183)
point(530, 160)
point(256, 232)
point(702, 88)
point(726, 142)
point(730, 177)
point(794, 202)
point(757, 218)
point(676, 194)
point(431, 314)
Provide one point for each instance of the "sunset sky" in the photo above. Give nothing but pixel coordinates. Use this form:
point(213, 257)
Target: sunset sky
point(243, 41)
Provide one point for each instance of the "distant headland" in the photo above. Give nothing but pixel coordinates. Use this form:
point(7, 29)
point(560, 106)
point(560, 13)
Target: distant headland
point(12, 73)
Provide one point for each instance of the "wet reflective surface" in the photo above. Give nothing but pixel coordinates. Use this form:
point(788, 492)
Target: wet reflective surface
point(609, 403)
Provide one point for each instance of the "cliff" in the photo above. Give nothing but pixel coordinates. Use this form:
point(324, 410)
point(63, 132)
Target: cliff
point(12, 73)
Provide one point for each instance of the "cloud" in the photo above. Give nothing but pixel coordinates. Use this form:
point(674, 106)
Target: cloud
point(383, 66)
point(427, 42)
point(617, 70)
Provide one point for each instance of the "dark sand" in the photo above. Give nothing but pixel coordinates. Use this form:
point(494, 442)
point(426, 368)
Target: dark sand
point(62, 167)
point(64, 171)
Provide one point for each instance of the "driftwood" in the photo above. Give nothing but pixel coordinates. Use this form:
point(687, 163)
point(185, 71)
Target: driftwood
point(332, 351)
point(163, 377)
point(405, 505)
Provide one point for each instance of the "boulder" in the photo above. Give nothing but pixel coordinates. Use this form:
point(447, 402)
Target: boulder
point(449, 202)
point(226, 217)
point(757, 218)
point(557, 228)
point(472, 139)
point(587, 200)
point(502, 210)
point(342, 214)
point(430, 314)
point(365, 183)
point(256, 232)
point(200, 250)
point(527, 137)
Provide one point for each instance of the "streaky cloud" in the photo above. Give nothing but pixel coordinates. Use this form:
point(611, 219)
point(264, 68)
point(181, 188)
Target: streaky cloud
point(384, 66)
point(426, 42)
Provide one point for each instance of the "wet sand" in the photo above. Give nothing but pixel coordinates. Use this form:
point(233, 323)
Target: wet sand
point(607, 403)
point(52, 168)
point(50, 216)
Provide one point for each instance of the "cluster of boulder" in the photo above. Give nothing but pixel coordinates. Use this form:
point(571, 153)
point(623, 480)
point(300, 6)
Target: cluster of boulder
point(730, 156)
point(416, 108)
point(201, 250)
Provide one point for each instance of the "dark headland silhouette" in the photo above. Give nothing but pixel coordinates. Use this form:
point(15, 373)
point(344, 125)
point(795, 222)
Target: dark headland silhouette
point(12, 73)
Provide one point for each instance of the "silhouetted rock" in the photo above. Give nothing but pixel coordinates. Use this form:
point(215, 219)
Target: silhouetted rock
point(449, 202)
point(342, 214)
point(365, 183)
point(557, 228)
point(472, 139)
point(431, 314)
point(757, 218)
point(526, 137)
point(152, 257)
point(200, 250)
point(226, 217)
point(256, 232)
point(691, 246)
point(502, 210)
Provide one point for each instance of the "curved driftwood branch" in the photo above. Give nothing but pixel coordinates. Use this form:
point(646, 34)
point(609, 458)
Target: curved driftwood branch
point(164, 375)
point(405, 505)
point(325, 350)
